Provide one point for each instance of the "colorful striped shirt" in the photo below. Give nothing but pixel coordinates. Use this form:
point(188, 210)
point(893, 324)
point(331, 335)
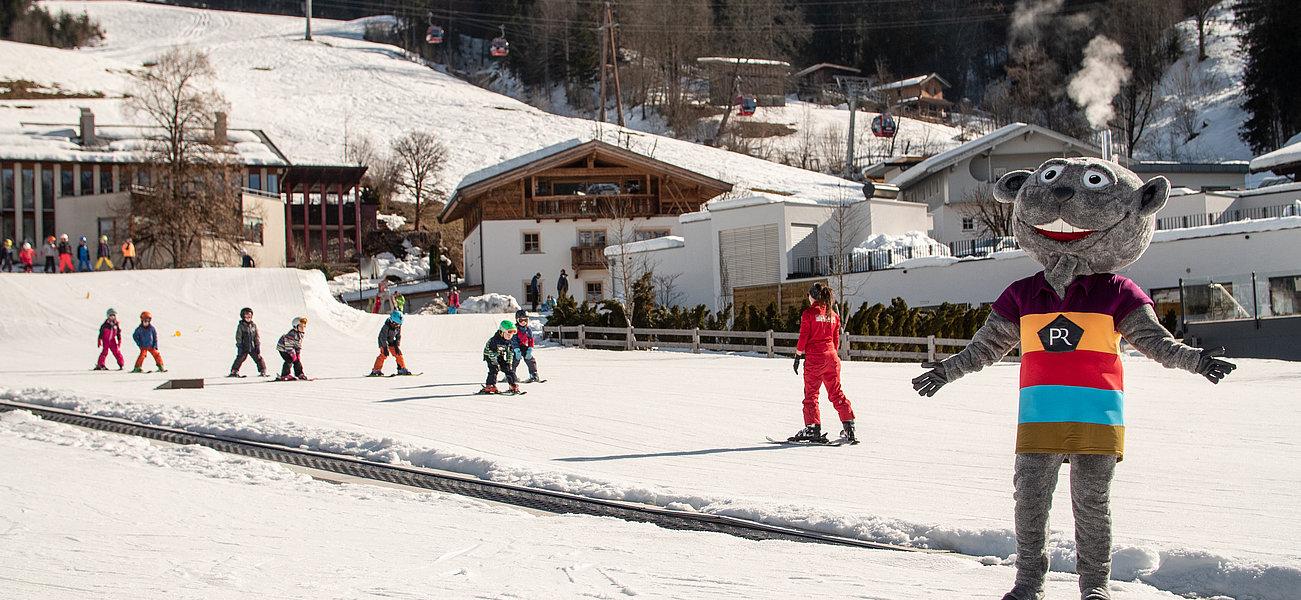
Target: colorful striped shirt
point(1072, 381)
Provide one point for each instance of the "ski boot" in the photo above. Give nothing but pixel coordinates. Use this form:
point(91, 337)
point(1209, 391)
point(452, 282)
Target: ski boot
point(514, 389)
point(376, 373)
point(286, 378)
point(489, 389)
point(847, 434)
point(811, 434)
point(100, 368)
point(534, 379)
point(161, 370)
point(233, 374)
point(404, 372)
point(261, 373)
point(137, 370)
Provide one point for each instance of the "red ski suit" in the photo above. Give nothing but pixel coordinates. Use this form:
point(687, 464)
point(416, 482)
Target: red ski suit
point(819, 341)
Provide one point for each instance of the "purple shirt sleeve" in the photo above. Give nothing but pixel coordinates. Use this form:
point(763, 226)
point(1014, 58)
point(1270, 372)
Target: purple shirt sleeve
point(1008, 304)
point(1129, 297)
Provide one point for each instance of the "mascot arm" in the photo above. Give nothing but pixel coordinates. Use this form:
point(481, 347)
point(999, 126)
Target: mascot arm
point(1143, 331)
point(990, 344)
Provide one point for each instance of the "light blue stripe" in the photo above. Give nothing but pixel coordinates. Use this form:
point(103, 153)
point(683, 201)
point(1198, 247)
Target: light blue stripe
point(1070, 404)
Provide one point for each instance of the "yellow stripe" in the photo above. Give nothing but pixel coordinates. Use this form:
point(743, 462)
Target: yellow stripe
point(1099, 331)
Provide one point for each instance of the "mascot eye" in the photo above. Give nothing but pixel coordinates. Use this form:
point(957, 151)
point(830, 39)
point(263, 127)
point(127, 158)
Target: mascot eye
point(1096, 180)
point(1050, 174)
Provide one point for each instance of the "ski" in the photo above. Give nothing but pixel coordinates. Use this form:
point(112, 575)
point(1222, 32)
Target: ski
point(510, 393)
point(406, 374)
point(277, 379)
point(534, 381)
point(836, 442)
point(236, 376)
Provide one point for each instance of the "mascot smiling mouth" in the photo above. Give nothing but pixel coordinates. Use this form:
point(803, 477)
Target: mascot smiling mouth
point(1062, 231)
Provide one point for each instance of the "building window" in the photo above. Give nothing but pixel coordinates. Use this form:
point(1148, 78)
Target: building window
point(592, 239)
point(66, 181)
point(650, 234)
point(47, 187)
point(1285, 295)
point(253, 230)
point(532, 243)
point(29, 189)
point(7, 189)
point(595, 291)
point(255, 181)
point(106, 179)
point(87, 180)
point(273, 183)
point(529, 296)
point(108, 227)
point(968, 223)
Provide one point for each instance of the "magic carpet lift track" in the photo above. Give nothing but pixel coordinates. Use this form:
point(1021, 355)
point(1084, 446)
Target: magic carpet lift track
point(451, 483)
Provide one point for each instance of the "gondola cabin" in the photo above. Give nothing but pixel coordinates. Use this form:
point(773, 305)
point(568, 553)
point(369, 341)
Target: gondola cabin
point(883, 126)
point(500, 48)
point(746, 106)
point(434, 35)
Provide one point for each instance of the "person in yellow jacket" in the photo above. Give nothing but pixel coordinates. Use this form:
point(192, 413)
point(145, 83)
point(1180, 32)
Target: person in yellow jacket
point(128, 255)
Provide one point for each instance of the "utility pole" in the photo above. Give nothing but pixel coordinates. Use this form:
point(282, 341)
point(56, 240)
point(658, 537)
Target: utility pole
point(600, 33)
point(308, 12)
point(614, 61)
point(854, 88)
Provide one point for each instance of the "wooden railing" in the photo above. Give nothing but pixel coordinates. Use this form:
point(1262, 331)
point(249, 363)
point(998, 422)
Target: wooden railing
point(769, 343)
point(588, 257)
point(592, 207)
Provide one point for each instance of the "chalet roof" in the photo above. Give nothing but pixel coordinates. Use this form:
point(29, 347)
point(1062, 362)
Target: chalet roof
point(1287, 156)
point(119, 144)
point(821, 66)
point(558, 154)
point(998, 136)
point(911, 81)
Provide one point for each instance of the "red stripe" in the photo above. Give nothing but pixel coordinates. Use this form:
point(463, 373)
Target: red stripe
point(1081, 368)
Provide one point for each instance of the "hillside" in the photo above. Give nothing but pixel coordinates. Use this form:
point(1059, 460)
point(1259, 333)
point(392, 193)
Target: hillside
point(313, 98)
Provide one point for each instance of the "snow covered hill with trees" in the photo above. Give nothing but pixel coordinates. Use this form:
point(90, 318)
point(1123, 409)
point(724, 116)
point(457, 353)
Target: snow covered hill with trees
point(1204, 502)
point(321, 100)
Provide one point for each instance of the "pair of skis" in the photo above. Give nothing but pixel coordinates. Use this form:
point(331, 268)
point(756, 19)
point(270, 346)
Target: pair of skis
point(823, 441)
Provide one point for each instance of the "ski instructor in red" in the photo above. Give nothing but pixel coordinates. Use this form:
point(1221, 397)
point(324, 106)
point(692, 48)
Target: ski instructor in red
point(818, 346)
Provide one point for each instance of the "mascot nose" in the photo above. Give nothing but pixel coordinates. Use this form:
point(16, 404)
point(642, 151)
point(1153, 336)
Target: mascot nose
point(1063, 193)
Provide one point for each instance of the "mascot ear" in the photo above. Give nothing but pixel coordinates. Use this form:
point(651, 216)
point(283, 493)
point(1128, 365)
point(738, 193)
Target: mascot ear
point(1008, 185)
point(1152, 196)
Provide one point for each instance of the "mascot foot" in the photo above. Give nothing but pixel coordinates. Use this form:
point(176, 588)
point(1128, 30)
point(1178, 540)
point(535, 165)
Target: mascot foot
point(1023, 593)
point(1097, 593)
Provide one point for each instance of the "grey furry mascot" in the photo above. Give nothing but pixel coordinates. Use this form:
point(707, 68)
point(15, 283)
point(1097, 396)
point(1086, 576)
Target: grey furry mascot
point(1082, 219)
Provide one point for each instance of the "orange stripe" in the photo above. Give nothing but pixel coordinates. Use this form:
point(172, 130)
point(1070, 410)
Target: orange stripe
point(1099, 331)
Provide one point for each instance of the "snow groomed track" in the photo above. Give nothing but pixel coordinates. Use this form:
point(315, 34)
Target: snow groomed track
point(504, 493)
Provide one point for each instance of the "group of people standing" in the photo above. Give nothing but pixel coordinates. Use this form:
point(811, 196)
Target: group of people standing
point(59, 256)
point(535, 291)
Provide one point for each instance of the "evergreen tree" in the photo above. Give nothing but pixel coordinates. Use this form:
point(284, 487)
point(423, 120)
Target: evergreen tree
point(1273, 92)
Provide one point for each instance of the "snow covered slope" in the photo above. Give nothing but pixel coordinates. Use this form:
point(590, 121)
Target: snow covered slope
point(137, 520)
point(313, 97)
point(1205, 501)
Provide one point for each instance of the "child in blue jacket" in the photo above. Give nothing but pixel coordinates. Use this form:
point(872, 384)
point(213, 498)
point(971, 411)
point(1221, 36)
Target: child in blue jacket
point(146, 338)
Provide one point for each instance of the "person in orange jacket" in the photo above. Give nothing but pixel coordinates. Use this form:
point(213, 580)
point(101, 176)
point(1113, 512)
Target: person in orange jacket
point(818, 346)
point(128, 255)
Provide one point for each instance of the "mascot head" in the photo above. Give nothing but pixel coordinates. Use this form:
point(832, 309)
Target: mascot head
point(1079, 216)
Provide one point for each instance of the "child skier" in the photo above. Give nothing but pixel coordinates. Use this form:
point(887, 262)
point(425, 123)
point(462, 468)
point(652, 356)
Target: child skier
point(27, 257)
point(247, 344)
point(522, 345)
point(110, 340)
point(65, 255)
point(497, 353)
point(453, 301)
point(390, 337)
point(146, 338)
point(83, 256)
point(818, 345)
point(290, 347)
point(7, 256)
point(102, 254)
point(51, 253)
point(128, 255)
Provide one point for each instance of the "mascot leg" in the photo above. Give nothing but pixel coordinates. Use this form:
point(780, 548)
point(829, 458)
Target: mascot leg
point(1091, 501)
point(1035, 479)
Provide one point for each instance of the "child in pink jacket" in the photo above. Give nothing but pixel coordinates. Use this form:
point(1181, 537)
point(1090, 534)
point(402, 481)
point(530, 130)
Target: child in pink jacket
point(110, 340)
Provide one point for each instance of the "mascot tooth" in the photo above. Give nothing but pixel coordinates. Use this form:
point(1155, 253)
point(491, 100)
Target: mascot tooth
point(1082, 219)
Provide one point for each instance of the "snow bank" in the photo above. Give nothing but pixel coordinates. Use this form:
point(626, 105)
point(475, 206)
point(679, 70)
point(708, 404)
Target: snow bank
point(917, 242)
point(489, 304)
point(393, 222)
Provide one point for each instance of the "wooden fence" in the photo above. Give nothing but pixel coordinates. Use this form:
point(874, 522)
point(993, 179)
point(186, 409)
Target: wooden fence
point(771, 343)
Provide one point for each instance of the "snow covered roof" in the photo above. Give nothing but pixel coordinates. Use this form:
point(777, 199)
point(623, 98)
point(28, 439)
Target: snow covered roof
point(1007, 132)
point(732, 60)
point(659, 243)
point(820, 66)
point(120, 144)
point(911, 81)
point(1287, 156)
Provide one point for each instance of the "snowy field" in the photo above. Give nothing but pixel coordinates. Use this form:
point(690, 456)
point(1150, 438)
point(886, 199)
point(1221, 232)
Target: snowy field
point(1205, 501)
point(312, 98)
point(125, 515)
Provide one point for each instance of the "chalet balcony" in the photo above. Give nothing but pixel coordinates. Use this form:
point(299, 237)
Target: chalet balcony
point(625, 206)
point(588, 258)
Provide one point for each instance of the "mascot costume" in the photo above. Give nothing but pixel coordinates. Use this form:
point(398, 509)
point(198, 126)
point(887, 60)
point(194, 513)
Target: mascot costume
point(1082, 219)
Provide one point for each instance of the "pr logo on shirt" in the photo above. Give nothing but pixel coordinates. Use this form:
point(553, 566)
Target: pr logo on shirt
point(1061, 335)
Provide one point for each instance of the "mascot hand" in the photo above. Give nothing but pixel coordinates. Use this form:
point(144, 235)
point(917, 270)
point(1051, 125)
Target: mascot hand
point(1214, 369)
point(931, 381)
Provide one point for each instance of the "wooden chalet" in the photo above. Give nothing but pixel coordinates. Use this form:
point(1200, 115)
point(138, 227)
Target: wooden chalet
point(765, 80)
point(920, 97)
point(818, 82)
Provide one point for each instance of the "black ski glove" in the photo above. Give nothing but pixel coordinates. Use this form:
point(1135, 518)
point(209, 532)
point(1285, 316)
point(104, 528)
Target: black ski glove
point(1214, 369)
point(931, 381)
point(798, 358)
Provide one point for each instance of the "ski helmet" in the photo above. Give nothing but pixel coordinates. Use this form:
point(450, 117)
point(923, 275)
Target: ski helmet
point(111, 313)
point(521, 313)
point(64, 237)
point(83, 239)
point(245, 311)
point(27, 245)
point(507, 326)
point(103, 238)
point(300, 321)
point(396, 317)
point(8, 242)
point(145, 315)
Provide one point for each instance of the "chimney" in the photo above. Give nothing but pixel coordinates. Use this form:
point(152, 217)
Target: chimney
point(87, 127)
point(219, 137)
point(1106, 145)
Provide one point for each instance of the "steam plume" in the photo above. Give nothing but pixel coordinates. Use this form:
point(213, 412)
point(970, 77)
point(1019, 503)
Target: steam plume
point(1099, 80)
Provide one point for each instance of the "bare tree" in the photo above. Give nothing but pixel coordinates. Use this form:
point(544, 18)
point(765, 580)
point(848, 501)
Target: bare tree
point(420, 158)
point(847, 222)
point(1144, 29)
point(666, 289)
point(190, 203)
point(1201, 11)
point(627, 266)
point(992, 218)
